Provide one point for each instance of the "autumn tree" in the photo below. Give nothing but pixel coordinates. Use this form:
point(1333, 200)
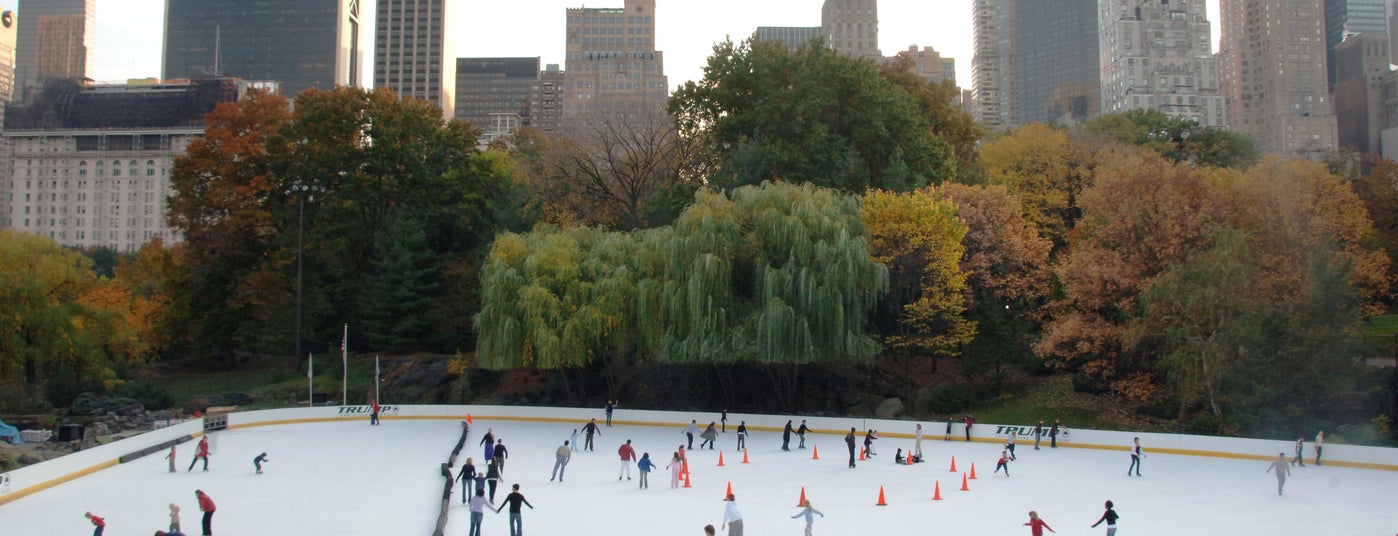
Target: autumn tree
point(1041, 168)
point(1182, 139)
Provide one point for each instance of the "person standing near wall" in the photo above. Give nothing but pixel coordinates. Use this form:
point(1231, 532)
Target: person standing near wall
point(1282, 470)
point(969, 423)
point(1110, 518)
point(611, 406)
point(374, 413)
point(1319, 443)
point(732, 518)
point(206, 505)
point(723, 420)
point(1010, 443)
point(916, 453)
point(948, 436)
point(1053, 434)
point(1038, 433)
point(786, 436)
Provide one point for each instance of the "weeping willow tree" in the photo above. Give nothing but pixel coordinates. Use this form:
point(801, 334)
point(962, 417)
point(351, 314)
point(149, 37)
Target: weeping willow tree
point(778, 275)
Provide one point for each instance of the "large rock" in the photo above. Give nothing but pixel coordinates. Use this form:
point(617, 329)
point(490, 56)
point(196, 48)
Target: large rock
point(889, 408)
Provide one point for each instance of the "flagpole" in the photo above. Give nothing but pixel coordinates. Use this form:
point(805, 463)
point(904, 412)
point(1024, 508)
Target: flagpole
point(376, 379)
point(310, 381)
point(344, 368)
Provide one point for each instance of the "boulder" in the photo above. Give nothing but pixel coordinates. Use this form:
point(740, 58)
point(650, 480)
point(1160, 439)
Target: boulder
point(889, 408)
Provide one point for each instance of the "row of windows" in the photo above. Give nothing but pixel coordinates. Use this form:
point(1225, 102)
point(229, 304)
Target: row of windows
point(149, 209)
point(617, 19)
point(588, 30)
point(611, 41)
point(115, 223)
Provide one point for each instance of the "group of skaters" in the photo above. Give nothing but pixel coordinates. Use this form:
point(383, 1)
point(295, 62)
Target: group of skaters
point(206, 506)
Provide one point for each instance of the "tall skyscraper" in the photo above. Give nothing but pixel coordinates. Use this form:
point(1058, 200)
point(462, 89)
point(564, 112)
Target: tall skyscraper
point(487, 86)
point(791, 36)
point(1361, 62)
point(8, 38)
point(1350, 17)
point(613, 68)
point(1272, 61)
point(54, 41)
point(1158, 55)
point(413, 50)
point(852, 27)
point(1035, 61)
point(299, 43)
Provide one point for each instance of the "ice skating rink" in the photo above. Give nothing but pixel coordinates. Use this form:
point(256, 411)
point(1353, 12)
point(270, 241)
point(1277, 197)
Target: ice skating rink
point(348, 478)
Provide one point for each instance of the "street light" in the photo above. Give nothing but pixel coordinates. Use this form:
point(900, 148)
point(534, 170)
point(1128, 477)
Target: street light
point(302, 190)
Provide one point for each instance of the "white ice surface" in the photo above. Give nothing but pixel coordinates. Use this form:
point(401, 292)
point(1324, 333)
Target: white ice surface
point(347, 478)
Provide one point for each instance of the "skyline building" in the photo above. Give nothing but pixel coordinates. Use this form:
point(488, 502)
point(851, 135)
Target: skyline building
point(489, 86)
point(414, 50)
point(929, 64)
point(1345, 18)
point(1157, 55)
point(1035, 61)
point(1361, 62)
point(791, 36)
point(992, 67)
point(54, 40)
point(851, 27)
point(298, 43)
point(1272, 65)
point(612, 68)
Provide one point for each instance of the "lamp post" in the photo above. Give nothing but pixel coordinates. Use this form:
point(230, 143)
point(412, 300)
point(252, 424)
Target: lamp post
point(301, 189)
point(1177, 136)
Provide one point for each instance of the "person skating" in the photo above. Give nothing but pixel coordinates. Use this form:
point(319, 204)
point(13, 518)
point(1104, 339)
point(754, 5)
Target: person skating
point(1004, 462)
point(1300, 446)
point(561, 458)
point(732, 518)
point(492, 478)
point(869, 437)
point(98, 524)
point(710, 435)
point(201, 452)
point(948, 436)
point(500, 454)
point(969, 423)
point(689, 432)
point(490, 449)
point(1010, 442)
point(809, 513)
point(1110, 518)
point(478, 506)
point(174, 517)
point(257, 462)
point(898, 457)
point(1282, 470)
point(742, 435)
point(801, 434)
point(916, 453)
point(489, 439)
point(723, 420)
point(676, 467)
point(849, 442)
point(1053, 434)
point(786, 436)
point(708, 530)
point(573, 439)
point(628, 456)
point(645, 466)
point(374, 414)
point(1319, 443)
point(467, 476)
point(611, 406)
point(1038, 433)
point(1136, 456)
point(171, 457)
point(206, 505)
point(589, 429)
point(171, 533)
point(514, 500)
point(1036, 525)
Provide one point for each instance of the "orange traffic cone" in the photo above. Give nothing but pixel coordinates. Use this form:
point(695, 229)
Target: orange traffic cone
point(685, 468)
point(861, 455)
point(802, 501)
point(973, 470)
point(815, 452)
point(468, 419)
point(937, 491)
point(964, 487)
point(953, 465)
point(881, 501)
point(729, 491)
point(686, 481)
point(745, 455)
point(720, 458)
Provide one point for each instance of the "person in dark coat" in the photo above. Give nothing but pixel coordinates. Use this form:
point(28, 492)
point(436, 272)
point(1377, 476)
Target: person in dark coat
point(801, 433)
point(466, 476)
point(589, 429)
point(786, 436)
point(849, 442)
point(1053, 434)
point(742, 435)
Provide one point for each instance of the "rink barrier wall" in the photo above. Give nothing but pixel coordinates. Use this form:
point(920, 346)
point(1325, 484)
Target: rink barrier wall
point(828, 431)
point(32, 479)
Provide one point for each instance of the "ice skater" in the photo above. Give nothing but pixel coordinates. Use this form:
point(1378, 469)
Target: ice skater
point(869, 437)
point(742, 435)
point(1300, 447)
point(1004, 463)
point(676, 467)
point(1038, 433)
point(948, 436)
point(849, 442)
point(917, 444)
point(732, 518)
point(490, 447)
point(708, 530)
point(514, 500)
point(489, 439)
point(171, 457)
point(98, 524)
point(561, 458)
point(801, 435)
point(628, 456)
point(1136, 455)
point(809, 513)
point(1319, 443)
point(258, 461)
point(786, 436)
point(171, 533)
point(206, 505)
point(588, 430)
point(645, 466)
point(500, 455)
point(1282, 470)
point(374, 414)
point(723, 420)
point(710, 435)
point(492, 477)
point(478, 505)
point(1053, 434)
point(467, 476)
point(969, 422)
point(174, 517)
point(201, 452)
point(573, 439)
point(1036, 525)
point(690, 430)
point(1110, 518)
point(611, 406)
point(1010, 442)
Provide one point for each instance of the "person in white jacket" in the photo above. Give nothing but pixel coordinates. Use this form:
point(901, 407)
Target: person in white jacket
point(1136, 455)
point(732, 518)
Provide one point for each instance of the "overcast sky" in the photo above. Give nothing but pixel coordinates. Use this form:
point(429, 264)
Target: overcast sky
point(129, 32)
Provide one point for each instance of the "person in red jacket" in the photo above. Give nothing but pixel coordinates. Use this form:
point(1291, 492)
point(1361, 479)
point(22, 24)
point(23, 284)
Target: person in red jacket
point(97, 522)
point(374, 414)
point(628, 457)
point(1036, 525)
point(201, 452)
point(206, 505)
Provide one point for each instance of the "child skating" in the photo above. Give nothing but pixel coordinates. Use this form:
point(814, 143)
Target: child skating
point(1110, 518)
point(171, 457)
point(98, 523)
point(807, 512)
point(259, 460)
point(1036, 525)
point(645, 466)
point(1004, 462)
